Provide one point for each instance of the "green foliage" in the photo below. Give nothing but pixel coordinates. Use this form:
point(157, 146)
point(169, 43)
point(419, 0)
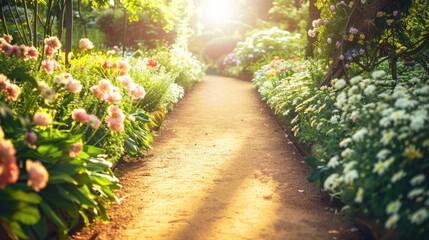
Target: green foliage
point(261, 45)
point(368, 144)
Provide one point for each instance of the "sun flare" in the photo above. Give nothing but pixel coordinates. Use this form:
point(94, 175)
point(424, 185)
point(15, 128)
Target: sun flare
point(217, 11)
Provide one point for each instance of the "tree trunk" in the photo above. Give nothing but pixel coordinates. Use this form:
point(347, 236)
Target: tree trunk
point(314, 13)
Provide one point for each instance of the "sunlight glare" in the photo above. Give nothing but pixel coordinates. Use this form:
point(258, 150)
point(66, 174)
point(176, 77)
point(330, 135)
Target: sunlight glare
point(217, 11)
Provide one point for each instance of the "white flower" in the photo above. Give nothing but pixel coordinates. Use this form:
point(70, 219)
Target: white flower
point(382, 154)
point(418, 119)
point(387, 137)
point(347, 153)
point(405, 103)
point(381, 166)
point(329, 40)
point(391, 221)
point(418, 179)
point(360, 134)
point(341, 57)
point(350, 176)
point(398, 176)
point(398, 115)
point(349, 166)
point(334, 119)
point(355, 99)
point(400, 92)
point(341, 99)
point(332, 182)
point(359, 195)
point(340, 83)
point(419, 216)
point(333, 162)
point(345, 142)
point(353, 30)
point(354, 115)
point(415, 192)
point(369, 90)
point(393, 207)
point(421, 91)
point(355, 80)
point(378, 74)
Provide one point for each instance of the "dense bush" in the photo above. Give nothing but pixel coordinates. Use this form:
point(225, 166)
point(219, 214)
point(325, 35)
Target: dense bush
point(369, 144)
point(252, 53)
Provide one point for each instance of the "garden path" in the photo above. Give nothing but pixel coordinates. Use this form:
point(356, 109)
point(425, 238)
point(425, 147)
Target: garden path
point(221, 168)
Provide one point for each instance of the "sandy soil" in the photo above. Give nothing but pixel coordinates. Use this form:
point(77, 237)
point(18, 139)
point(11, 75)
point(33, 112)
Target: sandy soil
point(221, 168)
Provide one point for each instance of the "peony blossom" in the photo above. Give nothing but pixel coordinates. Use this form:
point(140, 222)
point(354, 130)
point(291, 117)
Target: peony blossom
point(123, 66)
point(105, 85)
point(37, 175)
point(42, 119)
point(50, 65)
point(9, 171)
point(126, 81)
point(86, 44)
point(94, 121)
point(138, 92)
point(32, 53)
point(74, 86)
point(53, 42)
point(115, 118)
point(75, 149)
point(8, 38)
point(80, 115)
point(114, 96)
point(152, 63)
point(13, 92)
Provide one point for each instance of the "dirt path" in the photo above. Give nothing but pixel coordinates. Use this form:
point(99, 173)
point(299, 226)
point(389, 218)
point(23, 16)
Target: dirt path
point(221, 168)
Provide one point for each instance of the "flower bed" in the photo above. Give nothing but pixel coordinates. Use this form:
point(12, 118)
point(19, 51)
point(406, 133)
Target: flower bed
point(369, 139)
point(62, 128)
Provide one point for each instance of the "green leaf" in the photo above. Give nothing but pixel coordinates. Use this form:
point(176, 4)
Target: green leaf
point(20, 75)
point(17, 229)
point(314, 176)
point(92, 150)
point(50, 213)
point(81, 196)
point(28, 197)
point(59, 177)
point(131, 146)
point(26, 214)
point(313, 162)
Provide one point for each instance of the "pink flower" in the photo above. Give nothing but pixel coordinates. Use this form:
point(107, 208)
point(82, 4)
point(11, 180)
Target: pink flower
point(53, 42)
point(105, 85)
point(4, 82)
point(13, 92)
point(75, 149)
point(9, 171)
point(138, 92)
point(30, 138)
point(115, 118)
point(116, 48)
point(42, 119)
point(114, 96)
point(94, 121)
point(33, 53)
point(97, 91)
point(8, 38)
point(37, 175)
point(126, 81)
point(80, 115)
point(49, 65)
point(122, 66)
point(85, 44)
point(7, 48)
point(49, 52)
point(74, 85)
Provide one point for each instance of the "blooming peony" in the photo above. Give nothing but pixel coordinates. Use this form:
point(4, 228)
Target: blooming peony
point(37, 175)
point(138, 92)
point(42, 119)
point(86, 44)
point(9, 171)
point(75, 149)
point(74, 86)
point(80, 115)
point(94, 121)
point(115, 118)
point(13, 92)
point(53, 42)
point(126, 81)
point(123, 66)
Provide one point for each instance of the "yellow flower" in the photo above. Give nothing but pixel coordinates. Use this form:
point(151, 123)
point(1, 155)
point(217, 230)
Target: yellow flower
point(362, 36)
point(360, 42)
point(351, 37)
point(413, 153)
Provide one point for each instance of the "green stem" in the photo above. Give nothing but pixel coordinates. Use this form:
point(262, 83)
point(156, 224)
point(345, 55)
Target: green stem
point(35, 16)
point(99, 140)
point(27, 19)
point(15, 21)
point(3, 17)
point(25, 40)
